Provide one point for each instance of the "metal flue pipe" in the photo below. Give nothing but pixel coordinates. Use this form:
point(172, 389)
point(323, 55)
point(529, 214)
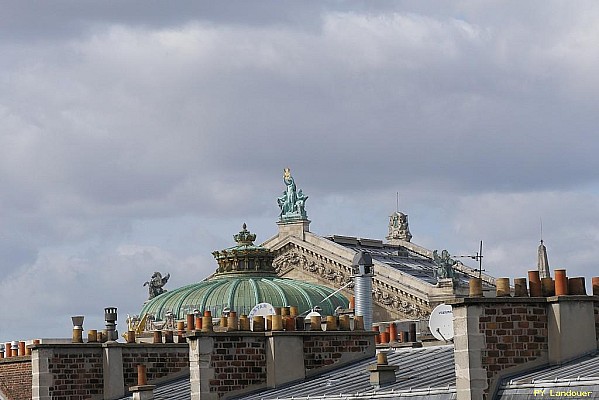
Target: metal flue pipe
point(363, 271)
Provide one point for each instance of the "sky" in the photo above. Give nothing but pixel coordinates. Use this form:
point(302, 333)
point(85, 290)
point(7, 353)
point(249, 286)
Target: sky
point(138, 136)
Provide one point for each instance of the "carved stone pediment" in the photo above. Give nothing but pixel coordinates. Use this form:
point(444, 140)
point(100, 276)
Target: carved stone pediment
point(394, 299)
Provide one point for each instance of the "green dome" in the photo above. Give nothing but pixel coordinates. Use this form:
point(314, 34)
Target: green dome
point(241, 294)
point(245, 277)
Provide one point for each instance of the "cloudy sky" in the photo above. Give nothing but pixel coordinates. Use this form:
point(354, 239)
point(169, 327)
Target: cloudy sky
point(138, 136)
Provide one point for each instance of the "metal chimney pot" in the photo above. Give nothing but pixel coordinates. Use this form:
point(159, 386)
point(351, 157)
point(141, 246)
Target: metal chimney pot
point(363, 271)
point(78, 321)
point(110, 317)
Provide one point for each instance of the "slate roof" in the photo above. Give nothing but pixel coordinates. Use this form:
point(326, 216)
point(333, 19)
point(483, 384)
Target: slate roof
point(424, 373)
point(396, 257)
point(179, 389)
point(579, 375)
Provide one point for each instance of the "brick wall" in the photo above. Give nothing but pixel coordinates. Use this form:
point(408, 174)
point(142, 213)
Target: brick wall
point(494, 337)
point(320, 351)
point(77, 373)
point(224, 364)
point(514, 334)
point(238, 363)
point(15, 377)
point(160, 360)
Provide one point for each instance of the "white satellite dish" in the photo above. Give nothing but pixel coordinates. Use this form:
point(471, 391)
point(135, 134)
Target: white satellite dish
point(260, 309)
point(441, 322)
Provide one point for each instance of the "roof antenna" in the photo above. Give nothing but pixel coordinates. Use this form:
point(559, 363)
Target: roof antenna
point(478, 257)
point(541, 220)
point(397, 203)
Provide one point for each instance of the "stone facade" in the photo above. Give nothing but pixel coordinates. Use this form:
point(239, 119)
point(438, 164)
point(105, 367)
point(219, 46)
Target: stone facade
point(392, 298)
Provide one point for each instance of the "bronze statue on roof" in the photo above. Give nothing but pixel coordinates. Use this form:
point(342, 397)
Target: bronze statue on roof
point(155, 285)
point(292, 202)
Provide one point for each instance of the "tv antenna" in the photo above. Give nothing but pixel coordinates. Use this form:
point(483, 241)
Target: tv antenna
point(478, 257)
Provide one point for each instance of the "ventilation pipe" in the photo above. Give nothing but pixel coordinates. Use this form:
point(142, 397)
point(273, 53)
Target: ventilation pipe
point(363, 272)
point(110, 317)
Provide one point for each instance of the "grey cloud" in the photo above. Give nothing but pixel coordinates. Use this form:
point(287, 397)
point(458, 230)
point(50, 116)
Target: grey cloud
point(119, 120)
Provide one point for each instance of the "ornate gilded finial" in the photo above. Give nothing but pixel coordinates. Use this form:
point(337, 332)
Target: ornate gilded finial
point(244, 257)
point(244, 236)
point(292, 202)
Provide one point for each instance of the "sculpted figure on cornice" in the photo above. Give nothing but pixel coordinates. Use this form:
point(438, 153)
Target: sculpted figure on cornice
point(444, 265)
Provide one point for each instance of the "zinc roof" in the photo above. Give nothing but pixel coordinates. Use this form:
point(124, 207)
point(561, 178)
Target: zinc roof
point(424, 373)
point(580, 375)
point(397, 257)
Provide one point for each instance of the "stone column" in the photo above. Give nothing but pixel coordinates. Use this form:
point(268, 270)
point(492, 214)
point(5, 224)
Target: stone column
point(200, 371)
point(42, 379)
point(114, 381)
point(284, 360)
point(571, 326)
point(471, 377)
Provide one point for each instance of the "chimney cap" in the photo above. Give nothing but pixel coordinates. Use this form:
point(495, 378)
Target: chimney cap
point(362, 258)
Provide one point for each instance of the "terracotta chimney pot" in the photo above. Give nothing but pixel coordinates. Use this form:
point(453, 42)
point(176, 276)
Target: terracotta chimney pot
point(476, 287)
point(358, 323)
point(315, 323)
point(331, 323)
point(384, 337)
point(258, 323)
point(393, 332)
point(595, 282)
point(344, 323)
point(92, 336)
point(503, 287)
point(141, 375)
point(520, 289)
point(207, 322)
point(561, 282)
point(190, 322)
point(534, 283)
point(547, 287)
point(381, 358)
point(277, 322)
point(576, 286)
